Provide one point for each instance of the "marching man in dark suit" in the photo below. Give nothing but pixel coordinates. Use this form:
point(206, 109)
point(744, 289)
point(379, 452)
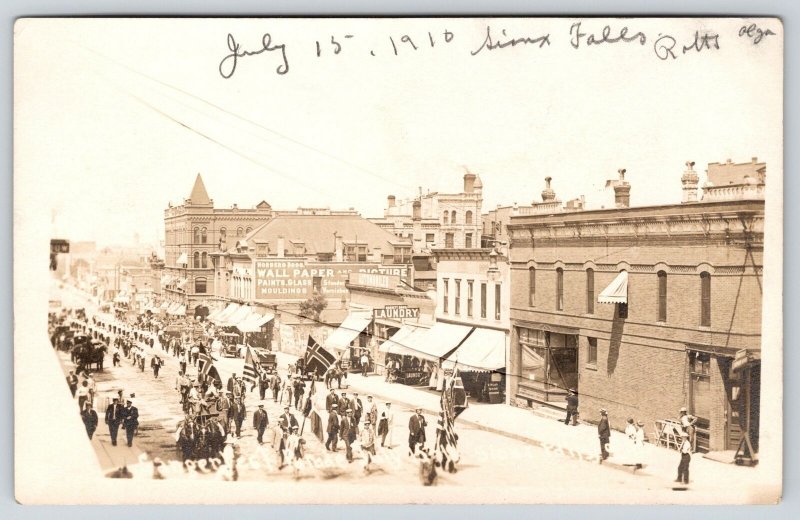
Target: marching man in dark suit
point(130, 421)
point(287, 420)
point(263, 384)
point(114, 416)
point(331, 400)
point(260, 422)
point(333, 429)
point(347, 431)
point(416, 431)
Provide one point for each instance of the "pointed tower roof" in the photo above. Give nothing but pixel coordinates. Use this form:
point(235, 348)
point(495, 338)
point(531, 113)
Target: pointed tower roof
point(199, 194)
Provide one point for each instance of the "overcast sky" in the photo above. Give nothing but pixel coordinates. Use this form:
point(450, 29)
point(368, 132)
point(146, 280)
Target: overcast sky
point(115, 118)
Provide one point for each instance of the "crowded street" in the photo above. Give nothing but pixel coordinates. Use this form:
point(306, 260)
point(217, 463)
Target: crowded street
point(483, 454)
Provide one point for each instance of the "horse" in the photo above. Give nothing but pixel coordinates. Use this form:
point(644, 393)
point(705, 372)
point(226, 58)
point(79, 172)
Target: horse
point(92, 355)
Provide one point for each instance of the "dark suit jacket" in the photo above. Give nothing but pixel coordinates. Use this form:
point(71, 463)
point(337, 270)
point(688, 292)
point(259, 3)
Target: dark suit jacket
point(110, 413)
point(89, 419)
point(416, 427)
point(344, 404)
point(260, 419)
point(603, 431)
point(330, 400)
point(130, 417)
point(347, 431)
point(287, 421)
point(333, 423)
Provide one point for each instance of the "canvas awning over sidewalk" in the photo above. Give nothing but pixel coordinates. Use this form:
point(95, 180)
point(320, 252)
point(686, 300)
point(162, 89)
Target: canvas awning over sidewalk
point(349, 330)
point(254, 322)
point(397, 343)
point(438, 341)
point(483, 351)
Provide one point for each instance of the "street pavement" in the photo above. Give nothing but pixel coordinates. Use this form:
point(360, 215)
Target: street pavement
point(498, 444)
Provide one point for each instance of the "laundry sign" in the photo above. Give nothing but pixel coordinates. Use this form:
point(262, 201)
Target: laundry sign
point(396, 312)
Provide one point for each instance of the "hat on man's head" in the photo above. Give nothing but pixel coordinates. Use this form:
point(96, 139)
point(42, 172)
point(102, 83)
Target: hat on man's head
point(261, 406)
point(683, 409)
point(684, 434)
point(640, 423)
point(603, 411)
point(334, 405)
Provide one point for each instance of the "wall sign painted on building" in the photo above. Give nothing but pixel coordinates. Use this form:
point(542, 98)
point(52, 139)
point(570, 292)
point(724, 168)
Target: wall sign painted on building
point(296, 279)
point(396, 312)
point(383, 281)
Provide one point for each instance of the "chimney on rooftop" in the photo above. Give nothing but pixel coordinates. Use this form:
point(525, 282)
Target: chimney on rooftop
point(690, 180)
point(390, 201)
point(416, 213)
point(338, 247)
point(281, 246)
point(622, 191)
point(469, 182)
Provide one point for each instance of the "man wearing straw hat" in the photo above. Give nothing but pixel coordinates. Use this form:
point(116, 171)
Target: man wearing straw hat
point(686, 457)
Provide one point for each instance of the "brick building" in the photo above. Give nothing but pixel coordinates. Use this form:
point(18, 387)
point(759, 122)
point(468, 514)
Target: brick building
point(645, 309)
point(193, 231)
point(437, 220)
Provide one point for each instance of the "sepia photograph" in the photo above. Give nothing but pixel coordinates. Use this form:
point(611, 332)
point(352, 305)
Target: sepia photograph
point(398, 260)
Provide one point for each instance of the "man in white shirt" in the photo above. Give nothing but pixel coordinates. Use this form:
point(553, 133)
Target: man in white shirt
point(686, 457)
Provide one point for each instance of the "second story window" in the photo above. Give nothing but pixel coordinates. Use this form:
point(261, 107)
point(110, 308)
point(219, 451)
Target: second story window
point(531, 286)
point(662, 296)
point(469, 298)
point(468, 241)
point(705, 299)
point(204, 236)
point(445, 290)
point(483, 300)
point(458, 297)
point(590, 291)
point(402, 255)
point(449, 240)
point(468, 218)
point(196, 260)
point(196, 235)
point(445, 217)
point(204, 260)
point(559, 289)
point(497, 301)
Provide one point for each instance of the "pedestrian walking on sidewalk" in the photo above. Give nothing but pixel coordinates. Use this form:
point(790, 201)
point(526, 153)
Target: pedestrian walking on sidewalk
point(275, 383)
point(72, 381)
point(130, 421)
point(604, 433)
point(572, 407)
point(89, 417)
point(686, 457)
point(364, 364)
point(83, 394)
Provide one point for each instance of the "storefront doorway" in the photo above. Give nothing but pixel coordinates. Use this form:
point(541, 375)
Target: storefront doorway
point(549, 364)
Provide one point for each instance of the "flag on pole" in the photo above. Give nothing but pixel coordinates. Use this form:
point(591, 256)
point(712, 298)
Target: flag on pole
point(446, 441)
point(204, 363)
point(309, 400)
point(317, 357)
point(250, 372)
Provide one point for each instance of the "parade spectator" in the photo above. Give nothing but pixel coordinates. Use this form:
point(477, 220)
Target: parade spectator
point(275, 384)
point(686, 457)
point(638, 442)
point(332, 429)
point(572, 407)
point(92, 388)
point(114, 416)
point(72, 382)
point(90, 420)
point(364, 364)
point(130, 421)
point(83, 394)
point(688, 424)
point(604, 433)
point(260, 422)
point(416, 431)
point(385, 426)
point(347, 432)
point(358, 408)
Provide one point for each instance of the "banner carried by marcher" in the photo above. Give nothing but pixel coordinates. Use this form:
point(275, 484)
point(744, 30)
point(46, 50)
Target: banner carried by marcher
point(316, 358)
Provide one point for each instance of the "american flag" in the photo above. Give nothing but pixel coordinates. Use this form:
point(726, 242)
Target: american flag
point(250, 373)
point(446, 441)
point(316, 356)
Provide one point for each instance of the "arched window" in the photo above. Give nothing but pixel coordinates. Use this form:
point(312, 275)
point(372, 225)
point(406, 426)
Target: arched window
point(204, 260)
point(705, 299)
point(248, 230)
point(468, 217)
point(559, 289)
point(532, 286)
point(453, 217)
point(203, 236)
point(200, 286)
point(445, 217)
point(239, 231)
point(197, 235)
point(662, 296)
point(196, 260)
point(590, 291)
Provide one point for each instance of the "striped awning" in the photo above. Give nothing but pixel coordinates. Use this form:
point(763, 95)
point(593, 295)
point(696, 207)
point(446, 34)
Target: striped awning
point(617, 290)
point(349, 330)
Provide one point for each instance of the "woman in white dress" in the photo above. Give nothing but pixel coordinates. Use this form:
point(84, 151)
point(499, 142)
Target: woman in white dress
point(638, 446)
point(630, 440)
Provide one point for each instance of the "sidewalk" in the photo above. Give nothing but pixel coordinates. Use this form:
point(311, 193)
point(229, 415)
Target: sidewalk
point(577, 442)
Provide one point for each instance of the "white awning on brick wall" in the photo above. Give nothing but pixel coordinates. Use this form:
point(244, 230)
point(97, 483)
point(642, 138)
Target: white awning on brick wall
point(617, 290)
